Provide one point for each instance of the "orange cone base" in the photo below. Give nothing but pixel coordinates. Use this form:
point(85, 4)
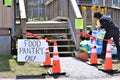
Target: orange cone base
point(113, 71)
point(51, 73)
point(42, 65)
point(94, 64)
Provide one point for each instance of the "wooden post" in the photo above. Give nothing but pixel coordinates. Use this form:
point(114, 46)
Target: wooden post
point(77, 39)
point(23, 26)
point(105, 10)
point(23, 17)
point(84, 9)
point(93, 8)
point(13, 15)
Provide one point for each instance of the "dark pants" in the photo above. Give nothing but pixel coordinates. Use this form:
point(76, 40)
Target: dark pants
point(109, 34)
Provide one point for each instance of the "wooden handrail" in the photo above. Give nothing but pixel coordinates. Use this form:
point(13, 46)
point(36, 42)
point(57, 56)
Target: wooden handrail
point(75, 8)
point(22, 16)
point(48, 2)
point(22, 9)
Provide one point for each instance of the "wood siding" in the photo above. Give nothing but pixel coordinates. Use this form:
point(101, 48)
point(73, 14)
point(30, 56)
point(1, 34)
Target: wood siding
point(5, 16)
point(5, 45)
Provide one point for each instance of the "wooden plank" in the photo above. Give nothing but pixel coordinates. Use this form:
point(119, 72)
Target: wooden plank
point(9, 20)
point(22, 9)
point(23, 26)
point(28, 28)
point(1, 5)
point(4, 17)
point(65, 52)
point(5, 45)
point(64, 46)
point(54, 34)
point(4, 32)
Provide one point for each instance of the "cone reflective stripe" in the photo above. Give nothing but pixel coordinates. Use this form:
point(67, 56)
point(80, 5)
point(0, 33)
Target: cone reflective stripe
point(56, 57)
point(55, 48)
point(108, 55)
point(93, 50)
point(94, 43)
point(109, 47)
point(108, 58)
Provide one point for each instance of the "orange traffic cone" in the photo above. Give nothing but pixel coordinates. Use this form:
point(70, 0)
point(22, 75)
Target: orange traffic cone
point(56, 68)
point(93, 56)
point(108, 60)
point(108, 57)
point(47, 62)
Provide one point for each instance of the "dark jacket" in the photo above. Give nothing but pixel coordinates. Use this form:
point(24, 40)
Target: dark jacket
point(107, 23)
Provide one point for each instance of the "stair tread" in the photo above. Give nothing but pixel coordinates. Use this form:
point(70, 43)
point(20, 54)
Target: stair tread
point(55, 34)
point(64, 46)
point(36, 28)
point(66, 52)
point(46, 22)
point(63, 39)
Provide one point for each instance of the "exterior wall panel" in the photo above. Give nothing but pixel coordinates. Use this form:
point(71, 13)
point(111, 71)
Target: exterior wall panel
point(5, 45)
point(9, 21)
point(1, 13)
point(5, 24)
point(5, 16)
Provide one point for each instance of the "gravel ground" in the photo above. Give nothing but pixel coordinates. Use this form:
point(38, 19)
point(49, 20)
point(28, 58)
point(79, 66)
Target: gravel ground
point(80, 70)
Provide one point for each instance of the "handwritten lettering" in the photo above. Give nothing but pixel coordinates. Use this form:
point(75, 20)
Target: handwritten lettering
point(32, 43)
point(31, 50)
point(30, 58)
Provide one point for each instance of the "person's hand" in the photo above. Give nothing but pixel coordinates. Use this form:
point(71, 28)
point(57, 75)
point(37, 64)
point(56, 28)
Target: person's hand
point(98, 27)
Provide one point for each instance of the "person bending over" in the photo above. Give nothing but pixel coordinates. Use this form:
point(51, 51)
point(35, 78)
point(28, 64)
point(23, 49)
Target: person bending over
point(112, 31)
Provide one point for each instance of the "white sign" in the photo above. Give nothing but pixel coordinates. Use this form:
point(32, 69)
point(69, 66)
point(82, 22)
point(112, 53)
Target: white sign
point(31, 50)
